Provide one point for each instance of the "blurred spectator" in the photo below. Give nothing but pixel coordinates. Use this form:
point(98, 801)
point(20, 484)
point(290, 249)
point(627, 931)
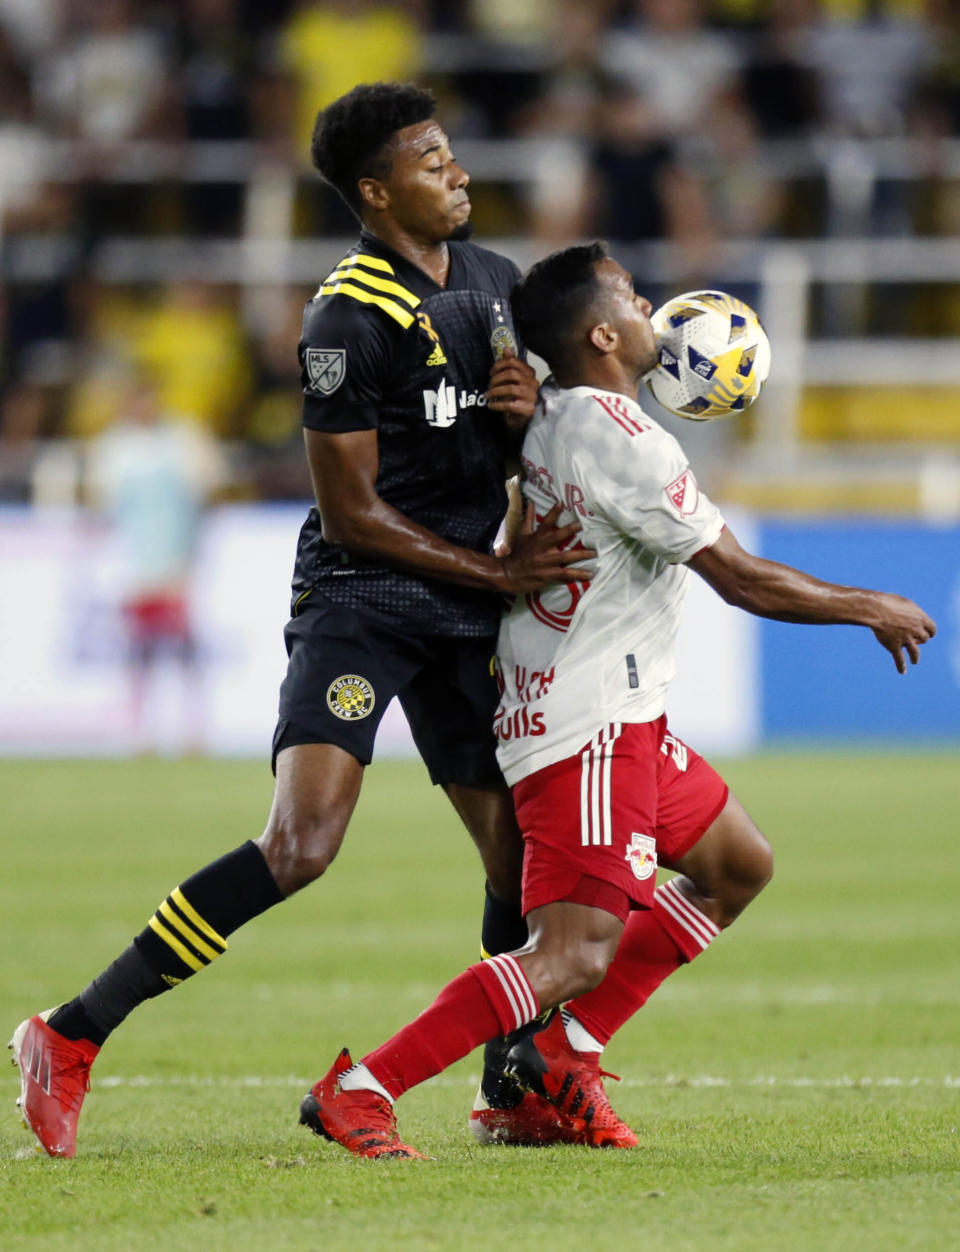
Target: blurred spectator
point(331, 45)
point(868, 64)
point(780, 87)
point(107, 82)
point(217, 62)
point(193, 343)
point(670, 57)
point(273, 434)
point(32, 25)
point(562, 119)
point(151, 476)
point(643, 189)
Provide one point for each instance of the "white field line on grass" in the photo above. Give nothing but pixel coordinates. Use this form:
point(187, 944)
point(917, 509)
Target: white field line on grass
point(667, 1080)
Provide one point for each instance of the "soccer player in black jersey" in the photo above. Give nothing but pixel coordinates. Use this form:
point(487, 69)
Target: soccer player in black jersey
point(412, 380)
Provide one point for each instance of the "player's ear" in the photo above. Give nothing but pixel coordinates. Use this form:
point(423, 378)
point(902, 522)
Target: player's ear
point(374, 194)
point(603, 337)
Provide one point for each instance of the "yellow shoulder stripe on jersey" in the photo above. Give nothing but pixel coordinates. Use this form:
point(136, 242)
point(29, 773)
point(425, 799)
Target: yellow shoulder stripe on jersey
point(187, 909)
point(371, 262)
point(378, 284)
point(182, 952)
point(396, 311)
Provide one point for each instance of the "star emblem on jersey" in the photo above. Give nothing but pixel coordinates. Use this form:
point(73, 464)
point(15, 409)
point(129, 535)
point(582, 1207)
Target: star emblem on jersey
point(350, 698)
point(642, 855)
point(326, 368)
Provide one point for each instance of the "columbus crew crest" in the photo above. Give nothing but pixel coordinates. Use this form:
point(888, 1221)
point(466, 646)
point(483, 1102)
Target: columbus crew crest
point(350, 697)
point(642, 855)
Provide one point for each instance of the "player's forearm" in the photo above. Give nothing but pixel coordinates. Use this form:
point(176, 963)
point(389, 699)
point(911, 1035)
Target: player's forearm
point(382, 533)
point(768, 589)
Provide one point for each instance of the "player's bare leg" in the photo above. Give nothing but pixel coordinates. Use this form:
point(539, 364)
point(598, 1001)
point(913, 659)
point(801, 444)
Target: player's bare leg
point(317, 788)
point(503, 1111)
point(570, 949)
point(488, 814)
point(716, 879)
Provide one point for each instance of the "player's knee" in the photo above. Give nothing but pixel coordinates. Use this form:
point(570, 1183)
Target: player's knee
point(746, 873)
point(586, 969)
point(299, 849)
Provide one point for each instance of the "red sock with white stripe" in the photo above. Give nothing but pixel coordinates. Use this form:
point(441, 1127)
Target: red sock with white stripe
point(654, 943)
point(488, 999)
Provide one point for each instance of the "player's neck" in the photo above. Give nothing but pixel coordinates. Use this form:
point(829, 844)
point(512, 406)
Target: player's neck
point(430, 256)
point(603, 374)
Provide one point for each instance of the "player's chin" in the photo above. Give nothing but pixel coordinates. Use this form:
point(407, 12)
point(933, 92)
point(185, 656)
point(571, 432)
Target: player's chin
point(461, 232)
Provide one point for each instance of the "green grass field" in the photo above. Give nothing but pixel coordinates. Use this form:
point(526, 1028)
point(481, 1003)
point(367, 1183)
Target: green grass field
point(797, 1088)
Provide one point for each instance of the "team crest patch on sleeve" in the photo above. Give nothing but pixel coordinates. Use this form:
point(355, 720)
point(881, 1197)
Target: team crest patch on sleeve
point(326, 368)
point(642, 855)
point(683, 493)
point(350, 697)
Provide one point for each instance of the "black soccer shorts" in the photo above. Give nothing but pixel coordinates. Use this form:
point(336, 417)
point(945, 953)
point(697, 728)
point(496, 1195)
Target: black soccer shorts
point(344, 668)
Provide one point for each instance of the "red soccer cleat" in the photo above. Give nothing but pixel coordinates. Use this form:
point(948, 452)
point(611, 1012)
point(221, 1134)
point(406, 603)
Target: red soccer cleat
point(54, 1078)
point(363, 1122)
point(531, 1123)
point(572, 1081)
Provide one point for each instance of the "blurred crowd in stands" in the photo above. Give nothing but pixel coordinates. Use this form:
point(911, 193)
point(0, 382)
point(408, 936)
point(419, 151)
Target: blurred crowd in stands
point(188, 121)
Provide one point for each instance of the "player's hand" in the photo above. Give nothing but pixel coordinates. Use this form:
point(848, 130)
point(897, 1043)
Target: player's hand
point(513, 519)
point(544, 554)
point(512, 390)
point(903, 628)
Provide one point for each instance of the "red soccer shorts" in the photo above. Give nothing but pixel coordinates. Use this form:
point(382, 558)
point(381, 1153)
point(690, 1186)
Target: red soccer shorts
point(594, 824)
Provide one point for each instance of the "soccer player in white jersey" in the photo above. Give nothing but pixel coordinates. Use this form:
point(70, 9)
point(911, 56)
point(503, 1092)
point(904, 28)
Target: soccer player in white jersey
point(603, 792)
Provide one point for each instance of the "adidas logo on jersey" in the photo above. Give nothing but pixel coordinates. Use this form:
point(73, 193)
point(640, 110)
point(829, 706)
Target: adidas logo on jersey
point(436, 357)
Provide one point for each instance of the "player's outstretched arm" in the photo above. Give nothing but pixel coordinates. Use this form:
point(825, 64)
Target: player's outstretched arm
point(769, 589)
point(344, 471)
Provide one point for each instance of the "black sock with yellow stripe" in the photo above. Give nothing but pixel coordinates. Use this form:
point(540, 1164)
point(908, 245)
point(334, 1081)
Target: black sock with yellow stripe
point(188, 931)
point(503, 929)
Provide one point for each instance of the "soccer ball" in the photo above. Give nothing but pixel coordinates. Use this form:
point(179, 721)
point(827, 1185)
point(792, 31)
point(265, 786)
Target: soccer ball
point(714, 356)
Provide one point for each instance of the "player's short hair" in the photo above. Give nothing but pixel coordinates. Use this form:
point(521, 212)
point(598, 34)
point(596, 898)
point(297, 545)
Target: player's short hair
point(350, 135)
point(553, 294)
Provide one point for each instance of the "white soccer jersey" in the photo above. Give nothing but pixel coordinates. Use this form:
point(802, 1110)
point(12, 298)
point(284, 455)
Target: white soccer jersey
point(577, 656)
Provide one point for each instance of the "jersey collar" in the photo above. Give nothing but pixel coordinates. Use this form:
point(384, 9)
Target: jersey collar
point(418, 280)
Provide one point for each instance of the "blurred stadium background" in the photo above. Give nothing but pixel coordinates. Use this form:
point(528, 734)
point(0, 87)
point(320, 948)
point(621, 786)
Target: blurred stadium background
point(160, 230)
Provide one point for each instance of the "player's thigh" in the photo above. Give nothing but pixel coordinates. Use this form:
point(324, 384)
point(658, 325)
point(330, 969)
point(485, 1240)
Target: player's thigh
point(488, 814)
point(730, 862)
point(691, 795)
point(344, 667)
point(315, 794)
point(450, 703)
point(588, 821)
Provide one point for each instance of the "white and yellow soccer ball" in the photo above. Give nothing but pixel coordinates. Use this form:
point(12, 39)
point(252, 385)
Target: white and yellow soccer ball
point(714, 356)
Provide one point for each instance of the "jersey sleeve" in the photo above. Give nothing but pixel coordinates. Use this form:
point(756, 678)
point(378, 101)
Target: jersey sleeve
point(646, 488)
point(344, 361)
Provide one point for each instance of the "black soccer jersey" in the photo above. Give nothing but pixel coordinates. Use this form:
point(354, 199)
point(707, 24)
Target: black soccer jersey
point(384, 347)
